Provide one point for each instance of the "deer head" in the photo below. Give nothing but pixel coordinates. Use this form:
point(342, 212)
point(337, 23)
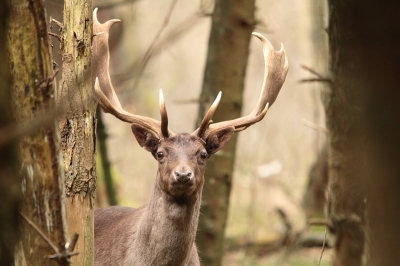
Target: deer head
point(182, 157)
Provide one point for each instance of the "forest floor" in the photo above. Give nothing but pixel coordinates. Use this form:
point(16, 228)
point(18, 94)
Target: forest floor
point(283, 257)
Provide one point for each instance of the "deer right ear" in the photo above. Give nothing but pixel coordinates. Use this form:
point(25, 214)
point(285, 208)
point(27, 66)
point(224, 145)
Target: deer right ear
point(145, 137)
point(217, 139)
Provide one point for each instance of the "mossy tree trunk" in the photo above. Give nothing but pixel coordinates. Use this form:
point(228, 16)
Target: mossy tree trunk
point(232, 24)
point(77, 127)
point(40, 165)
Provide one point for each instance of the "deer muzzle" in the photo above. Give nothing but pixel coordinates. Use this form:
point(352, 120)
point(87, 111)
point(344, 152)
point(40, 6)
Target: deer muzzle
point(183, 176)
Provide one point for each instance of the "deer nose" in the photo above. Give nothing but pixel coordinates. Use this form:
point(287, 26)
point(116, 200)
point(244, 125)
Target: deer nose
point(183, 177)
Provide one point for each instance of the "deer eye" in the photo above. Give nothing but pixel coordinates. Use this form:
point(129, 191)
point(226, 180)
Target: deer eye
point(159, 155)
point(203, 155)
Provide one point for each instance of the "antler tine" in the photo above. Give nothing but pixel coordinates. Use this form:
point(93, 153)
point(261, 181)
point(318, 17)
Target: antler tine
point(103, 89)
point(205, 123)
point(274, 77)
point(164, 116)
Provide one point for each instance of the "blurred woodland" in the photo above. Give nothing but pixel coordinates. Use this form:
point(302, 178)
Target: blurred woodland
point(315, 183)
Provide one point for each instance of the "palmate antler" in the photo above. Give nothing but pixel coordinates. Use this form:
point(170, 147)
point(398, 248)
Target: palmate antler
point(274, 76)
point(276, 68)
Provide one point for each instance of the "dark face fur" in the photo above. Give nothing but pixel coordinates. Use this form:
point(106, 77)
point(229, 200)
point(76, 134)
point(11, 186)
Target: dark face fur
point(181, 164)
point(181, 158)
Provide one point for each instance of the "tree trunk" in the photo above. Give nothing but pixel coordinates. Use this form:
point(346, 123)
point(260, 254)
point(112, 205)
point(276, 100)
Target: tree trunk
point(10, 192)
point(77, 127)
point(42, 178)
point(232, 24)
point(370, 49)
point(105, 162)
point(346, 205)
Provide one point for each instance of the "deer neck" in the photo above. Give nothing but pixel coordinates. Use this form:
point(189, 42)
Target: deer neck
point(167, 228)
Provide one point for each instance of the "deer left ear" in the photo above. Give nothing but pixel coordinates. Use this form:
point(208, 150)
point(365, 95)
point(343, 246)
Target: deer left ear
point(216, 140)
point(145, 137)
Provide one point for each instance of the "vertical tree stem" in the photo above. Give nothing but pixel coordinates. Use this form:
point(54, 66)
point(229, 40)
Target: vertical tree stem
point(232, 24)
point(105, 162)
point(78, 126)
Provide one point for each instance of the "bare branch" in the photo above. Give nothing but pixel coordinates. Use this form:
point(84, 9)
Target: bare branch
point(64, 254)
point(320, 77)
point(328, 80)
point(187, 101)
point(149, 51)
point(59, 37)
point(59, 24)
point(323, 247)
point(45, 238)
point(313, 126)
point(172, 36)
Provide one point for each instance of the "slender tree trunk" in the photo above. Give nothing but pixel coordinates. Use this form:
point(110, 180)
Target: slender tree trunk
point(232, 24)
point(78, 126)
point(10, 192)
point(105, 162)
point(42, 178)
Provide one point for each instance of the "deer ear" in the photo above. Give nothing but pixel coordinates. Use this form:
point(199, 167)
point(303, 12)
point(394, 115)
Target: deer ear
point(216, 140)
point(145, 137)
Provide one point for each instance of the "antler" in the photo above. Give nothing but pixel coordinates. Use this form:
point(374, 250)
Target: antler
point(103, 89)
point(275, 74)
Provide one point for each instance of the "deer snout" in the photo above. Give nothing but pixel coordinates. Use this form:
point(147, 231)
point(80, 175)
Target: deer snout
point(183, 176)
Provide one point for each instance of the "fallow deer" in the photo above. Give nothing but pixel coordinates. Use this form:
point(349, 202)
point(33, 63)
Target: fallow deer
point(163, 231)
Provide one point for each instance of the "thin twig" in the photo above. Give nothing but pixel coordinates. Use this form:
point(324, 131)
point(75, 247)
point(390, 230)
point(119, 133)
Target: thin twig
point(320, 78)
point(312, 71)
point(172, 36)
point(59, 37)
point(45, 84)
point(328, 80)
point(313, 126)
point(45, 238)
point(149, 51)
point(323, 246)
point(59, 24)
point(188, 101)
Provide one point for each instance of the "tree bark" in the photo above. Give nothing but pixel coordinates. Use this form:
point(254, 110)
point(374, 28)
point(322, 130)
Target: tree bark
point(32, 96)
point(77, 127)
point(346, 202)
point(232, 24)
point(371, 53)
point(10, 192)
